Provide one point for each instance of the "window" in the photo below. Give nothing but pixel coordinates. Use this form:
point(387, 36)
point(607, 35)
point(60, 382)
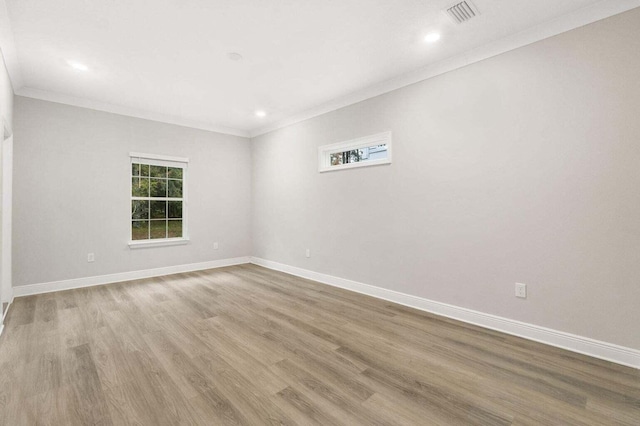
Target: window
point(158, 200)
point(367, 151)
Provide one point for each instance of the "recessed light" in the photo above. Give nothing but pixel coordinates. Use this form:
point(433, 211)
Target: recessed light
point(234, 56)
point(261, 113)
point(432, 37)
point(78, 66)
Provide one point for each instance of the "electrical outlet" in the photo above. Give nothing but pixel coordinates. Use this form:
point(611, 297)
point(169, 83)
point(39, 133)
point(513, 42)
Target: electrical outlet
point(91, 257)
point(308, 254)
point(521, 290)
point(215, 246)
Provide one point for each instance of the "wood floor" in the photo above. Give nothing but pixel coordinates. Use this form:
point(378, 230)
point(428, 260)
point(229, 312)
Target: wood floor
point(246, 345)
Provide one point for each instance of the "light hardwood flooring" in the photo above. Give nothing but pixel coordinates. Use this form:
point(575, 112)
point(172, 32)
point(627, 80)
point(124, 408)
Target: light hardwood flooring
point(246, 345)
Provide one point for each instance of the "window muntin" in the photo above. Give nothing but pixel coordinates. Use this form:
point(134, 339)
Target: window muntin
point(367, 151)
point(158, 199)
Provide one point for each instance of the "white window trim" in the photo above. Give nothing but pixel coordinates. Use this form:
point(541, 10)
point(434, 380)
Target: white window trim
point(159, 157)
point(162, 160)
point(138, 244)
point(325, 151)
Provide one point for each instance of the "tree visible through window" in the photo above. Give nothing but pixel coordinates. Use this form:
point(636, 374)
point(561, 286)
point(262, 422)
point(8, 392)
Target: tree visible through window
point(372, 150)
point(356, 155)
point(157, 200)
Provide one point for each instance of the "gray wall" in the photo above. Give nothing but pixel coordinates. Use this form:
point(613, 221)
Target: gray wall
point(6, 128)
point(521, 168)
point(6, 97)
point(72, 183)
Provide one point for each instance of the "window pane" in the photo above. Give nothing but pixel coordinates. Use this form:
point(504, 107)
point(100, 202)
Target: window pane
point(376, 152)
point(175, 173)
point(140, 230)
point(153, 216)
point(158, 187)
point(158, 229)
point(175, 189)
point(140, 187)
point(174, 229)
point(336, 159)
point(159, 171)
point(139, 209)
point(175, 209)
point(158, 209)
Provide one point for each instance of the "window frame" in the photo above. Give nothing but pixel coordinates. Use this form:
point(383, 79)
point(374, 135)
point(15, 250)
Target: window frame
point(325, 151)
point(160, 160)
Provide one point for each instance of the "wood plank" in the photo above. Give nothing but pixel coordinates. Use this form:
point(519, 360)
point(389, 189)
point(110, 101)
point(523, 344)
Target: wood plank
point(247, 345)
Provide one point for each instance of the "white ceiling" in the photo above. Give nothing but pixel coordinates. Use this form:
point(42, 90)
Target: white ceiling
point(167, 59)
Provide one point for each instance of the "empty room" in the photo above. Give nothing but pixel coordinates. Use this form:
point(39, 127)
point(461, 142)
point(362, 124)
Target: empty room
point(354, 212)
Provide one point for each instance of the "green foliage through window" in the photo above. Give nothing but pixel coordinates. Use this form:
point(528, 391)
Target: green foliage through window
point(156, 201)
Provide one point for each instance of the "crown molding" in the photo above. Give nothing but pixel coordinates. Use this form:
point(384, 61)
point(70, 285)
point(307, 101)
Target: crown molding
point(60, 98)
point(597, 11)
point(581, 17)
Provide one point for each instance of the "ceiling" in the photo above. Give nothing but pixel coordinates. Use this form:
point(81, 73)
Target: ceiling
point(168, 59)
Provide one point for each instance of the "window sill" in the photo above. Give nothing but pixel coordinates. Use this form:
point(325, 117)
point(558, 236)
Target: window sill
point(158, 243)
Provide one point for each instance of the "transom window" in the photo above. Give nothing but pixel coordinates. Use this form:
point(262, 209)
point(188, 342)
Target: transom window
point(158, 199)
point(360, 154)
point(367, 151)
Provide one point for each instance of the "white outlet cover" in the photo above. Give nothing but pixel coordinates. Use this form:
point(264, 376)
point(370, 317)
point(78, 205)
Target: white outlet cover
point(521, 290)
point(215, 246)
point(91, 257)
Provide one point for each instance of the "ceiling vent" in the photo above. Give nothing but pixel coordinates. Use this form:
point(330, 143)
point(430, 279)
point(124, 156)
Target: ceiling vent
point(462, 12)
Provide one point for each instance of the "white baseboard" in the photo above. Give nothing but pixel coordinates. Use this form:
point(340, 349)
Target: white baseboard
point(583, 345)
point(30, 289)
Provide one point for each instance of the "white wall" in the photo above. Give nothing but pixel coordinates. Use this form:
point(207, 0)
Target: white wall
point(6, 96)
point(6, 128)
point(520, 168)
point(72, 183)
point(6, 273)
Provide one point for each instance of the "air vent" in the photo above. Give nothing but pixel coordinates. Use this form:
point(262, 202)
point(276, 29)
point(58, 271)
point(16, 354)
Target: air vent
point(462, 12)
